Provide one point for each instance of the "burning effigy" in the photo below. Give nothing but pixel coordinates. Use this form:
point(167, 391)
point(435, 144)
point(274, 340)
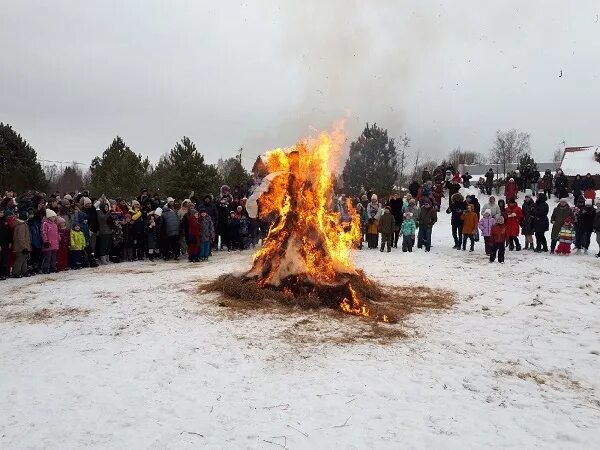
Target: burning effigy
point(305, 258)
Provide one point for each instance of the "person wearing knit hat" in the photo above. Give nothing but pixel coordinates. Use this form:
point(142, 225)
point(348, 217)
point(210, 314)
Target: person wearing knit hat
point(486, 223)
point(498, 240)
point(559, 215)
point(193, 235)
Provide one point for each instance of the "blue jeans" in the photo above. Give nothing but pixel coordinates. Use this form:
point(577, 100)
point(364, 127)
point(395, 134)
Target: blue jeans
point(204, 249)
point(424, 238)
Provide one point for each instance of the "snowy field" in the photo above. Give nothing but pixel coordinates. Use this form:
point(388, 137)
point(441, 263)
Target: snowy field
point(132, 356)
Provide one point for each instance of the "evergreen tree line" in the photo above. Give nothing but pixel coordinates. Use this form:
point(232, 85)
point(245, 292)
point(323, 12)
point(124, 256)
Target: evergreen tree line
point(118, 171)
point(376, 163)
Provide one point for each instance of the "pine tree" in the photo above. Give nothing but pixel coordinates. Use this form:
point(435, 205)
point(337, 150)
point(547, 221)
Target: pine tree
point(372, 163)
point(233, 173)
point(19, 167)
point(183, 170)
point(526, 160)
point(119, 172)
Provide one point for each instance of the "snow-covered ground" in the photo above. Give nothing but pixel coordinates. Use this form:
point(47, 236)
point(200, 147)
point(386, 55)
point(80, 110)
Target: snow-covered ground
point(132, 356)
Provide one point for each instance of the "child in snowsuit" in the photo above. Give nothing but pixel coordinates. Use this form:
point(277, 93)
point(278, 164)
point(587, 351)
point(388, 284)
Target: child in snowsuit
point(512, 217)
point(51, 240)
point(77, 246)
point(207, 234)
point(409, 229)
point(498, 239)
point(469, 227)
point(233, 235)
point(485, 226)
point(565, 237)
point(386, 226)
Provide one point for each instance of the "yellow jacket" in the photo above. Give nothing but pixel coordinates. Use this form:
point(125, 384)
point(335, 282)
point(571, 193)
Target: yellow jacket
point(77, 240)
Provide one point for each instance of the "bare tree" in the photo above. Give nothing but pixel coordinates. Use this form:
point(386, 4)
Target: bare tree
point(508, 147)
point(460, 156)
point(403, 145)
point(558, 154)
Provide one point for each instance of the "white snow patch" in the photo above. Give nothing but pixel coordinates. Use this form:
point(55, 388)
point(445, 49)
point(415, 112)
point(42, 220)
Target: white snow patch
point(155, 364)
point(581, 162)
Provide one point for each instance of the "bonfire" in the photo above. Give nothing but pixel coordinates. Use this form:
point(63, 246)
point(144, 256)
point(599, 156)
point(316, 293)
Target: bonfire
point(305, 258)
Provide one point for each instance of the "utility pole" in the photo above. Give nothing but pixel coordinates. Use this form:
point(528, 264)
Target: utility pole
point(239, 155)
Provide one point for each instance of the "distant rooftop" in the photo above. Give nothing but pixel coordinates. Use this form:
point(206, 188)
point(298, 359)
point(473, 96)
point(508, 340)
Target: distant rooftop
point(579, 161)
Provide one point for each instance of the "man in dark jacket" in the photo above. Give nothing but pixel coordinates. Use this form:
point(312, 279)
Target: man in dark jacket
point(395, 203)
point(584, 225)
point(386, 228)
point(427, 218)
point(560, 184)
point(457, 207)
point(559, 215)
point(541, 223)
point(489, 181)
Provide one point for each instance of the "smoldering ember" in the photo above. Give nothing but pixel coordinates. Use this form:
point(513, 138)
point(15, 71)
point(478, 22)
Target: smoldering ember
point(299, 225)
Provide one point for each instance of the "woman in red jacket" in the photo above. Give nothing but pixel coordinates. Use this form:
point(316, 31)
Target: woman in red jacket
point(512, 217)
point(511, 189)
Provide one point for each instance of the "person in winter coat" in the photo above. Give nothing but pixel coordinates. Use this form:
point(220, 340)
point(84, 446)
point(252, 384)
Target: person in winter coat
point(105, 232)
point(466, 178)
point(413, 188)
point(409, 229)
point(498, 240)
point(427, 219)
point(541, 223)
point(193, 236)
point(511, 189)
point(170, 231)
point(597, 226)
point(62, 257)
point(565, 237)
point(457, 207)
point(472, 200)
point(512, 218)
point(211, 210)
point(21, 245)
point(137, 231)
point(584, 225)
point(438, 195)
point(233, 232)
point(35, 230)
point(527, 224)
point(546, 183)
point(588, 186)
point(5, 244)
point(373, 214)
point(469, 227)
point(77, 246)
point(453, 187)
point(560, 185)
point(153, 234)
point(485, 226)
point(559, 215)
point(577, 187)
point(51, 240)
point(387, 224)
point(492, 206)
point(396, 205)
point(92, 217)
point(489, 182)
point(207, 234)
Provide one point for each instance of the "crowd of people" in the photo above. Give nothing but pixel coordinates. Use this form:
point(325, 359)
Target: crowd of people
point(413, 214)
point(43, 234)
point(40, 234)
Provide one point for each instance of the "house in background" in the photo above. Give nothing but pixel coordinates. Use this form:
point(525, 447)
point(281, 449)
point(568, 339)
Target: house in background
point(580, 161)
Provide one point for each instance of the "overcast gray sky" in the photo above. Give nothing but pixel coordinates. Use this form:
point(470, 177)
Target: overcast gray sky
point(261, 74)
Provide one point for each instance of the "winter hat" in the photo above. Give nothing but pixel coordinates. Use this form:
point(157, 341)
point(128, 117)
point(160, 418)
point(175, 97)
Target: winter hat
point(158, 212)
point(500, 219)
point(488, 211)
point(135, 203)
point(61, 222)
point(86, 201)
point(563, 199)
point(239, 208)
point(588, 202)
point(511, 179)
point(185, 201)
point(408, 214)
point(170, 200)
point(50, 213)
point(23, 215)
point(374, 197)
point(528, 193)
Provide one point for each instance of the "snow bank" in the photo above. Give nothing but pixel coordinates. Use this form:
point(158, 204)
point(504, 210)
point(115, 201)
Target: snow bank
point(580, 162)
